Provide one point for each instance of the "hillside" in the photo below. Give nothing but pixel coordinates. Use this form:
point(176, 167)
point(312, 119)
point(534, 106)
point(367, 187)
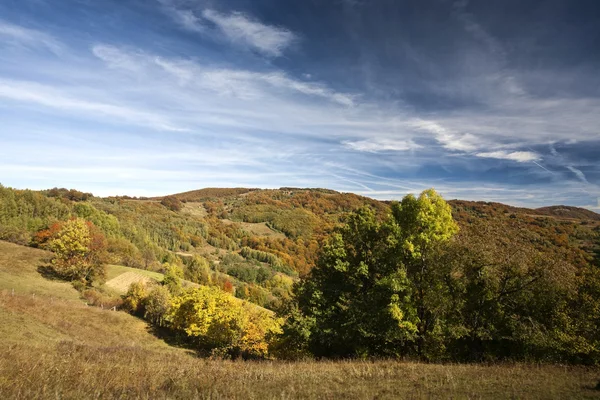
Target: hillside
point(55, 346)
point(256, 241)
point(44, 312)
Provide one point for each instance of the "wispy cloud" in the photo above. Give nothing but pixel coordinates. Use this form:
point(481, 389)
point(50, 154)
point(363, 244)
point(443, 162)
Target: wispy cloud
point(578, 173)
point(377, 145)
point(19, 35)
point(54, 98)
point(449, 139)
point(115, 58)
point(519, 156)
point(187, 19)
point(240, 83)
point(243, 30)
point(239, 28)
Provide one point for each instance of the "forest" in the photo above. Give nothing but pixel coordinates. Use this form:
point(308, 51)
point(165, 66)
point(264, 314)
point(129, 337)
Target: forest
point(312, 273)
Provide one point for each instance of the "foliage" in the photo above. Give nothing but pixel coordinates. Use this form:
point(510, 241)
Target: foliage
point(172, 203)
point(69, 194)
point(198, 270)
point(133, 301)
point(411, 286)
point(358, 294)
point(79, 251)
point(157, 305)
point(214, 320)
point(173, 277)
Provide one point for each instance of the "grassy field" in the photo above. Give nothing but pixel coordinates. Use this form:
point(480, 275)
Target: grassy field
point(113, 271)
point(53, 346)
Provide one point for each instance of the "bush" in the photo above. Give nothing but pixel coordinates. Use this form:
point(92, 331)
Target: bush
point(157, 305)
point(95, 297)
point(214, 320)
point(172, 203)
point(133, 301)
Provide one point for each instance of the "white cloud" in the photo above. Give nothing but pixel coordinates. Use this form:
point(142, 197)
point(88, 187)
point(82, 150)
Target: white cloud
point(51, 97)
point(238, 83)
point(115, 58)
point(519, 156)
point(578, 173)
point(29, 37)
point(448, 139)
point(377, 145)
point(243, 30)
point(239, 28)
point(186, 18)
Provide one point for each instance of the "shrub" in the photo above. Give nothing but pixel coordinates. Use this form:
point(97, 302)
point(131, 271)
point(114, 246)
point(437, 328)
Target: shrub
point(172, 203)
point(213, 320)
point(133, 301)
point(156, 305)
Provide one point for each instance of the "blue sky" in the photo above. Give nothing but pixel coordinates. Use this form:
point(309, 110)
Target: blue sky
point(483, 100)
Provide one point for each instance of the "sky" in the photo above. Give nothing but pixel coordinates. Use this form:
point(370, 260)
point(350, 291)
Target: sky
point(492, 100)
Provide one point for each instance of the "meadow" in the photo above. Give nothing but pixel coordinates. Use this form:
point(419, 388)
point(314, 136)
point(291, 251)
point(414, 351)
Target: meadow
point(54, 346)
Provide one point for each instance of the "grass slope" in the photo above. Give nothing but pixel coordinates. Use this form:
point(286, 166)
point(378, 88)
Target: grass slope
point(53, 346)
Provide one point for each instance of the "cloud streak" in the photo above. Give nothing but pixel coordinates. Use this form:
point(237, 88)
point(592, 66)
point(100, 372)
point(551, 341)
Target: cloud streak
point(239, 28)
point(245, 31)
point(19, 35)
point(172, 103)
point(519, 156)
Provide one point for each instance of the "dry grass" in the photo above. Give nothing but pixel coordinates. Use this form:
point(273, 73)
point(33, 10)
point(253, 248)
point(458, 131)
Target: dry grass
point(53, 346)
point(67, 370)
point(194, 208)
point(19, 271)
point(257, 228)
point(122, 282)
point(114, 271)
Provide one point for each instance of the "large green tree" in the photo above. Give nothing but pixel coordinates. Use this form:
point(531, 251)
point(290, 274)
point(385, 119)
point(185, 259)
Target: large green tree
point(374, 290)
point(423, 226)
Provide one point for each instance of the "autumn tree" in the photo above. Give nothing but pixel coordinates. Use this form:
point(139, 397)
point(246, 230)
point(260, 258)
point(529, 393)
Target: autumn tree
point(357, 296)
point(133, 300)
point(173, 278)
point(156, 305)
point(172, 203)
point(375, 286)
point(79, 251)
point(422, 225)
point(216, 321)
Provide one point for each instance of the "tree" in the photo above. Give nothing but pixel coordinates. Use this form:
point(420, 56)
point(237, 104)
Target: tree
point(357, 294)
point(198, 271)
point(424, 225)
point(172, 278)
point(375, 288)
point(513, 300)
point(157, 305)
point(79, 249)
point(172, 203)
point(133, 301)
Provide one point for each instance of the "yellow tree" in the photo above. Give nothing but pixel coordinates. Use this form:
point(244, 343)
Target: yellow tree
point(78, 251)
point(215, 320)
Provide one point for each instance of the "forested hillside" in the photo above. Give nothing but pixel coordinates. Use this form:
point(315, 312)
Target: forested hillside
point(252, 242)
point(496, 282)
